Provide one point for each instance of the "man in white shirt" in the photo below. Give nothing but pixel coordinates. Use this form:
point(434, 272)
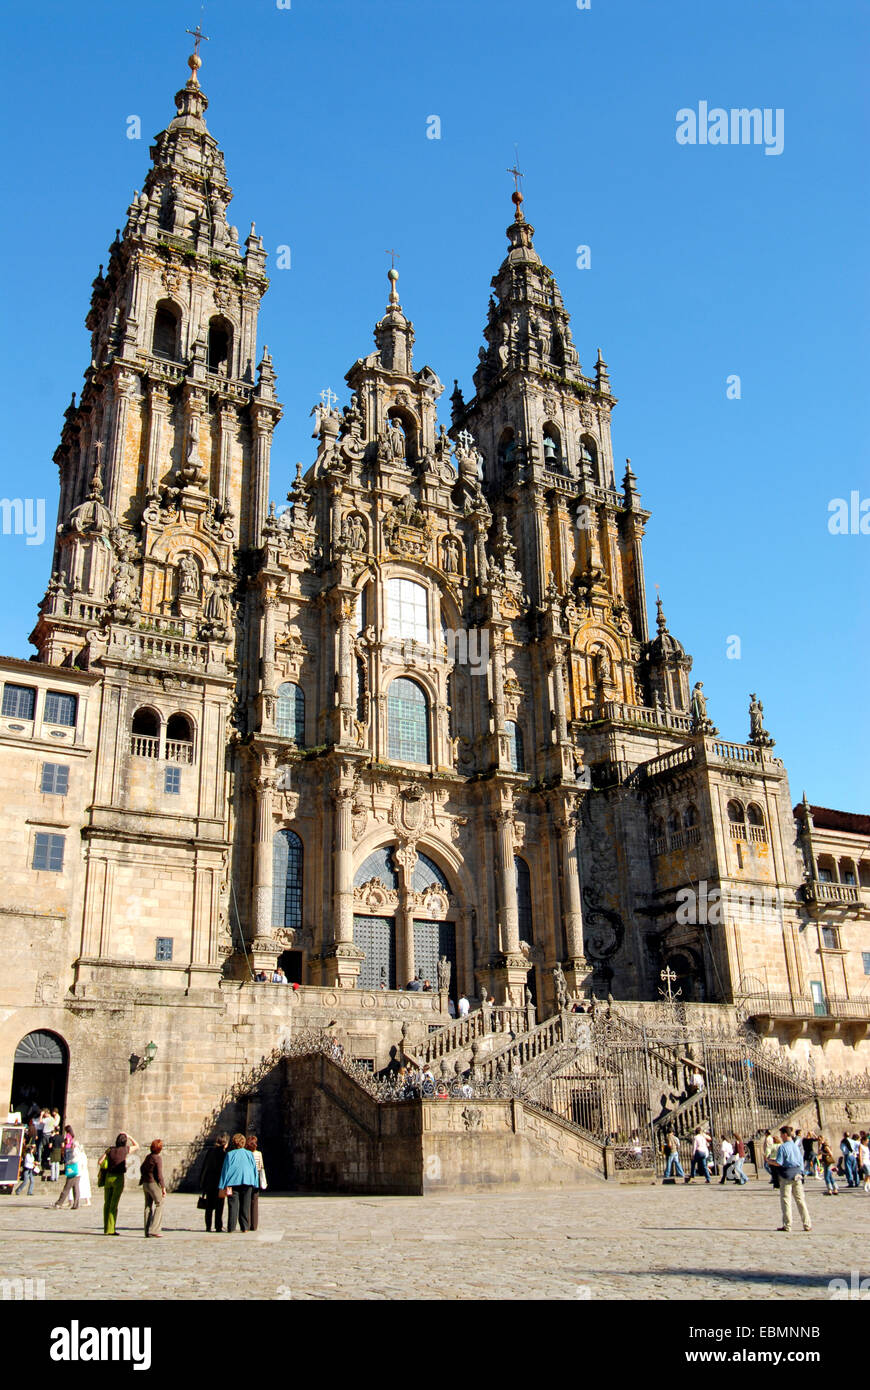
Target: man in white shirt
point(726, 1157)
point(463, 1006)
point(700, 1155)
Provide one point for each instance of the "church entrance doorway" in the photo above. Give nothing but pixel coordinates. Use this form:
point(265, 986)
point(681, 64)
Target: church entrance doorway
point(39, 1076)
point(432, 940)
point(291, 963)
point(376, 936)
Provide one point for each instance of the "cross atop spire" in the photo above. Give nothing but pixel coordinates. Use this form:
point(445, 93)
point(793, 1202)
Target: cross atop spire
point(516, 196)
point(194, 62)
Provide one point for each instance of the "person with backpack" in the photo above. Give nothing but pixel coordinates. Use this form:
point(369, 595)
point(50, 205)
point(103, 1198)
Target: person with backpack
point(829, 1167)
point(790, 1166)
point(71, 1183)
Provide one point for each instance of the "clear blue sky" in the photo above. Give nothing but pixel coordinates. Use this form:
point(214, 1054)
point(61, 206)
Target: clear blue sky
point(706, 261)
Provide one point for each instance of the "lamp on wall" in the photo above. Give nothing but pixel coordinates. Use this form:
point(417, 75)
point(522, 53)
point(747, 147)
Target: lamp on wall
point(138, 1063)
point(150, 1054)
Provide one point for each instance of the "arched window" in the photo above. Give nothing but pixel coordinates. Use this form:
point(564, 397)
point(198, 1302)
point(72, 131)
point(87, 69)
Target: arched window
point(379, 865)
point(589, 456)
point(552, 448)
point(408, 610)
point(506, 448)
point(219, 340)
point(165, 339)
point(287, 880)
point(755, 817)
point(179, 739)
point(737, 817)
point(524, 900)
point(690, 816)
point(145, 734)
point(673, 823)
point(425, 874)
point(515, 746)
point(362, 691)
point(290, 714)
point(407, 722)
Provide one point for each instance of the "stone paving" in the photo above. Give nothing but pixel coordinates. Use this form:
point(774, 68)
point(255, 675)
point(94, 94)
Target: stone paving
point(610, 1242)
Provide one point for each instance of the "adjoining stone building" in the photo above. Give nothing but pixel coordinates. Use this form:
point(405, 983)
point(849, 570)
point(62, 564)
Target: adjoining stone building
point(415, 716)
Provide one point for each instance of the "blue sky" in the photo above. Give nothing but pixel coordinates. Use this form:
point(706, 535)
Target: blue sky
point(706, 261)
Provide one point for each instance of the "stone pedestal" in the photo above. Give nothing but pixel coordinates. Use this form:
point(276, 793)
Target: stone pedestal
point(340, 965)
point(509, 977)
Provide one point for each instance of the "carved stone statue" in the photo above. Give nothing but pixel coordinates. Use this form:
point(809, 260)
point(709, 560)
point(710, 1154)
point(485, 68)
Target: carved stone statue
point(757, 732)
point(188, 577)
point(355, 533)
point(444, 972)
point(561, 987)
point(451, 556)
point(123, 592)
point(396, 439)
point(217, 603)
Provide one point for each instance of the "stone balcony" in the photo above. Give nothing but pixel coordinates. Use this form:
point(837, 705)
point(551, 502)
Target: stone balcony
point(836, 893)
point(833, 1016)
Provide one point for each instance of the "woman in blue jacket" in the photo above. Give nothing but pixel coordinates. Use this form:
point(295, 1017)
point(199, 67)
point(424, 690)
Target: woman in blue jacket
point(239, 1178)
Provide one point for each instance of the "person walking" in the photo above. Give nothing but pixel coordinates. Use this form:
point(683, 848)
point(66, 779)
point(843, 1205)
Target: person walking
point(829, 1167)
point(81, 1159)
point(71, 1184)
point(672, 1149)
point(210, 1181)
point(737, 1163)
point(153, 1188)
point(28, 1170)
point(726, 1157)
point(863, 1159)
point(849, 1150)
point(769, 1154)
point(239, 1177)
point(251, 1146)
point(115, 1159)
point(700, 1155)
point(790, 1163)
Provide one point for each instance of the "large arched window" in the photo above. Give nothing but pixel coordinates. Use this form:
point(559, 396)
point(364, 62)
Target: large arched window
point(290, 715)
point(506, 448)
point(379, 864)
point(425, 873)
point(407, 722)
point(179, 739)
point(524, 901)
point(165, 340)
point(287, 880)
point(515, 746)
point(407, 610)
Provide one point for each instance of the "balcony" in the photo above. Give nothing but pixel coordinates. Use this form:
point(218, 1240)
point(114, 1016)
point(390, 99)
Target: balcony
point(785, 1007)
point(144, 746)
point(817, 892)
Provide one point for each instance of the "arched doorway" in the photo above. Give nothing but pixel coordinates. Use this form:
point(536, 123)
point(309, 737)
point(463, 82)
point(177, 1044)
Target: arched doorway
point(39, 1076)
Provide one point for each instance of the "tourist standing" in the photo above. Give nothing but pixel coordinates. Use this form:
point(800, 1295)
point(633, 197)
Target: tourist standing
point(726, 1155)
point(210, 1181)
point(71, 1184)
point(700, 1155)
point(829, 1167)
point(769, 1154)
point(251, 1146)
point(55, 1154)
point(738, 1161)
point(789, 1163)
point(849, 1150)
point(239, 1177)
point(153, 1188)
point(28, 1170)
point(114, 1162)
point(864, 1161)
point(463, 1006)
point(81, 1159)
point(672, 1149)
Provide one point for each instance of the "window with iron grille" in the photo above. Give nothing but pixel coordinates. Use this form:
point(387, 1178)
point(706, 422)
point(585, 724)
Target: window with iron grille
point(407, 722)
point(164, 948)
point(60, 708)
point(290, 714)
point(19, 701)
point(172, 781)
point(287, 880)
point(48, 852)
point(55, 779)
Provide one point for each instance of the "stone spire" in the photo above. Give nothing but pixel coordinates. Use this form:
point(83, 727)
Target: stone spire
point(527, 325)
point(394, 334)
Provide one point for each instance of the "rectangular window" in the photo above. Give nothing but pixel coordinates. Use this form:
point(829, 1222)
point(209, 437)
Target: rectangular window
point(407, 610)
point(172, 781)
point(19, 701)
point(48, 852)
point(865, 956)
point(830, 938)
point(825, 876)
point(60, 708)
point(164, 948)
point(55, 779)
point(820, 1005)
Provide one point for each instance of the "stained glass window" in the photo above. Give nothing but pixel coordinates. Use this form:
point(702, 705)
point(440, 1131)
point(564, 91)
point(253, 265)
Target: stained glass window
point(290, 716)
point(408, 722)
point(378, 864)
point(425, 874)
point(286, 880)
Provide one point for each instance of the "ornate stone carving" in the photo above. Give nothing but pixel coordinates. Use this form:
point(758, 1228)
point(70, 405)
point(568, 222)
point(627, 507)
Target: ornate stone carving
point(375, 895)
point(410, 812)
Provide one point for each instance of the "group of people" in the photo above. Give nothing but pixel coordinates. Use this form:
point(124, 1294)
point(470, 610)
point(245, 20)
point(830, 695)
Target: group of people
point(732, 1155)
point(819, 1160)
point(277, 977)
point(419, 1083)
point(233, 1176)
point(50, 1147)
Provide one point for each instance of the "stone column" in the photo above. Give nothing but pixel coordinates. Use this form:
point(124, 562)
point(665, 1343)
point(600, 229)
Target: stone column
point(262, 425)
point(406, 965)
point(558, 672)
point(267, 661)
point(342, 959)
point(576, 967)
point(513, 967)
point(158, 407)
point(227, 421)
point(345, 671)
point(263, 786)
point(117, 450)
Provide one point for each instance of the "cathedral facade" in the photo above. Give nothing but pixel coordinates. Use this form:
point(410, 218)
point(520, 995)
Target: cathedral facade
point(411, 726)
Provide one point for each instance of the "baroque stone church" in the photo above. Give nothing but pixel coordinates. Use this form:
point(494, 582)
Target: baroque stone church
point(411, 726)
